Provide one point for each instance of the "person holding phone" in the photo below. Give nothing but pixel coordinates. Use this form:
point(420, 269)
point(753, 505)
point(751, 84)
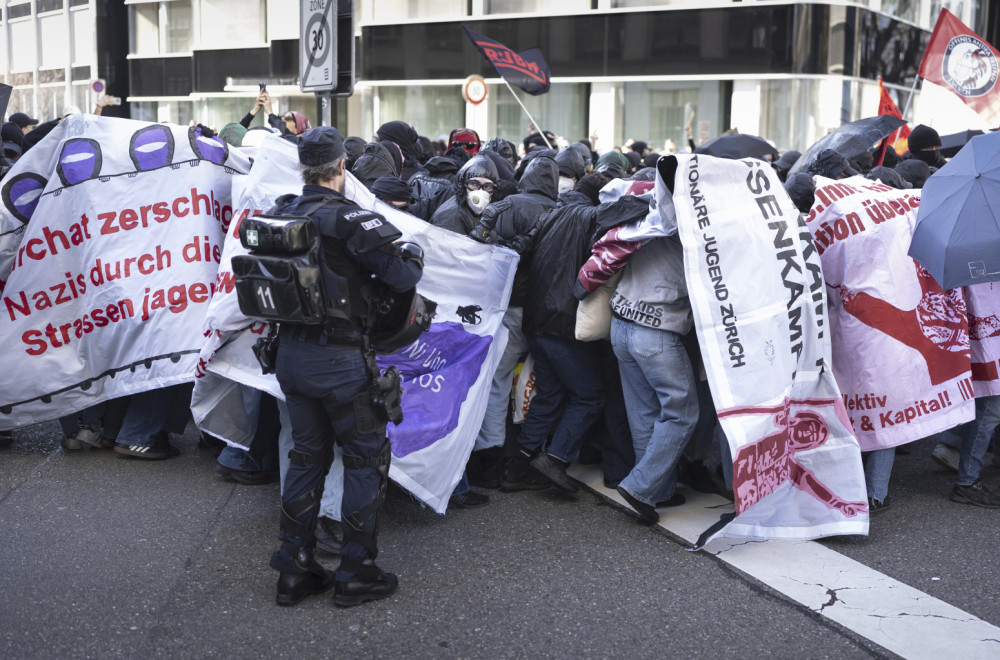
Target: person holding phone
point(291, 123)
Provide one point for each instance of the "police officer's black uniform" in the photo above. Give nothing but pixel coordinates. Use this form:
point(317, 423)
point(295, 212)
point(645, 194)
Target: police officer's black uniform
point(325, 378)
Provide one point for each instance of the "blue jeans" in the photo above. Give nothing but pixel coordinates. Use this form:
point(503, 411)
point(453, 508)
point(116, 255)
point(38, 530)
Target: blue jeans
point(976, 439)
point(493, 431)
point(878, 469)
point(662, 405)
point(88, 417)
point(565, 373)
point(150, 413)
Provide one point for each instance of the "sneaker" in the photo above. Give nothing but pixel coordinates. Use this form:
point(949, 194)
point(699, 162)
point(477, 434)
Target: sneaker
point(159, 450)
point(470, 499)
point(519, 476)
point(945, 456)
point(329, 533)
point(976, 494)
point(877, 506)
point(554, 470)
point(91, 438)
point(71, 442)
point(676, 499)
point(647, 513)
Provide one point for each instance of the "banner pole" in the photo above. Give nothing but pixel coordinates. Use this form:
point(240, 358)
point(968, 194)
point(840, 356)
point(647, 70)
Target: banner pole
point(540, 131)
point(910, 97)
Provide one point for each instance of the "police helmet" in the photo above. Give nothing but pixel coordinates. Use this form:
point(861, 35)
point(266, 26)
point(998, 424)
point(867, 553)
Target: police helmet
point(400, 319)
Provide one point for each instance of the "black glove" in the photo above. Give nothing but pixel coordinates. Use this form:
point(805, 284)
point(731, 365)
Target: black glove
point(411, 252)
point(206, 131)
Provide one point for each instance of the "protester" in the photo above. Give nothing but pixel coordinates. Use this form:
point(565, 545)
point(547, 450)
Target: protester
point(925, 145)
point(785, 162)
point(13, 140)
point(405, 137)
point(465, 138)
point(375, 161)
point(473, 187)
point(23, 121)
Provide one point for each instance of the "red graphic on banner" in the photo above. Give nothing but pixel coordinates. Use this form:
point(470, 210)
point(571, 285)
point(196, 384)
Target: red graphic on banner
point(937, 327)
point(760, 468)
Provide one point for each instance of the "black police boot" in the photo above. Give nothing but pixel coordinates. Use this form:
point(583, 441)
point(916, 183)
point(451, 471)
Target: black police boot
point(361, 527)
point(298, 525)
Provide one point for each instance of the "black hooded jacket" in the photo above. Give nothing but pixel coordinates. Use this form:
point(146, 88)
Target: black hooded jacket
point(403, 134)
point(454, 214)
point(562, 245)
point(375, 162)
point(513, 221)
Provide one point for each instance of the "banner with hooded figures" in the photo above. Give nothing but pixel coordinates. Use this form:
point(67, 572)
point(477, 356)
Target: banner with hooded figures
point(758, 298)
point(900, 344)
point(111, 232)
point(447, 372)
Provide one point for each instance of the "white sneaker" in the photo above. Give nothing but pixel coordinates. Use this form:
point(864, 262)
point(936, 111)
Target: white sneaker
point(89, 437)
point(71, 442)
point(945, 456)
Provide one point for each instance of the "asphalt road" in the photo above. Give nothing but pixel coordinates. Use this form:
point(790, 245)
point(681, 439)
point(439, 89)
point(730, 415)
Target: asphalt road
point(106, 557)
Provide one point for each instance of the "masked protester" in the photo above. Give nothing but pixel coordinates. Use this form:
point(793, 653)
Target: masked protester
point(474, 185)
point(406, 137)
point(925, 145)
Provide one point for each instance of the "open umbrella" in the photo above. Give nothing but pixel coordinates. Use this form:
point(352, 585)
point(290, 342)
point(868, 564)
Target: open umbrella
point(957, 238)
point(739, 145)
point(851, 139)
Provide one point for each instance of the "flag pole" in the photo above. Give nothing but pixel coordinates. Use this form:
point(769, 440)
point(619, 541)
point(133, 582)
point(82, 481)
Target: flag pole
point(540, 131)
point(910, 97)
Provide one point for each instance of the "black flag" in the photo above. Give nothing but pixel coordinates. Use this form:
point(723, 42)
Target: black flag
point(527, 69)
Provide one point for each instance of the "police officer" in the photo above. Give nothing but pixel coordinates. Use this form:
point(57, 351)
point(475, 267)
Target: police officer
point(325, 377)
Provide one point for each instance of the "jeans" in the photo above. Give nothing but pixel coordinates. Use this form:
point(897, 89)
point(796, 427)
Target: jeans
point(878, 468)
point(493, 431)
point(263, 453)
point(976, 439)
point(153, 412)
point(662, 405)
point(565, 373)
point(87, 418)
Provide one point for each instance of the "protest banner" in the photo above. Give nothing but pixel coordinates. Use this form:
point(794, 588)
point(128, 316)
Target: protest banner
point(447, 372)
point(983, 304)
point(758, 297)
point(111, 232)
point(900, 343)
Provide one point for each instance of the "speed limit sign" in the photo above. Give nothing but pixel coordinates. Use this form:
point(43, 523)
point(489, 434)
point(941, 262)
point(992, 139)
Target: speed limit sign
point(318, 45)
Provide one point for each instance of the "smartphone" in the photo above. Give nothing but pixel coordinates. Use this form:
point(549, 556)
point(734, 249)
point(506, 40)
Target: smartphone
point(116, 100)
point(263, 86)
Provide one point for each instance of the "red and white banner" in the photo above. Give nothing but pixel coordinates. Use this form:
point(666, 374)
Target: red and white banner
point(960, 60)
point(111, 233)
point(759, 301)
point(900, 343)
point(983, 302)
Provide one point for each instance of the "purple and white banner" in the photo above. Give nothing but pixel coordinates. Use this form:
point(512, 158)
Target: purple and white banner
point(447, 371)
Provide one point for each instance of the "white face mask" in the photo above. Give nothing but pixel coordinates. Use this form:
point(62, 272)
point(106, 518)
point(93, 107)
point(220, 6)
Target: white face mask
point(478, 200)
point(566, 184)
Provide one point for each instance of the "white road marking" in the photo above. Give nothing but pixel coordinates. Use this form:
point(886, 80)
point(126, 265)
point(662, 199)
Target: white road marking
point(893, 615)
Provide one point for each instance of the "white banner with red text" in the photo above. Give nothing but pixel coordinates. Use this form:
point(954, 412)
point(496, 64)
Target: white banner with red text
point(111, 232)
point(900, 343)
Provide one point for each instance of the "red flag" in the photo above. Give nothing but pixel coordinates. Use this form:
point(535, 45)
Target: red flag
point(959, 59)
point(886, 106)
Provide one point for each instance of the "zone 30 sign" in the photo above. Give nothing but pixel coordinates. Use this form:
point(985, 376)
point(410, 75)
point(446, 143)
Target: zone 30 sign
point(318, 45)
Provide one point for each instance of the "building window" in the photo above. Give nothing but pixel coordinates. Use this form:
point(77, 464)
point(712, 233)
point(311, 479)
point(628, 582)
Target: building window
point(536, 7)
point(561, 110)
point(53, 31)
point(161, 27)
point(83, 37)
point(233, 23)
point(23, 46)
point(433, 110)
point(392, 11)
point(655, 112)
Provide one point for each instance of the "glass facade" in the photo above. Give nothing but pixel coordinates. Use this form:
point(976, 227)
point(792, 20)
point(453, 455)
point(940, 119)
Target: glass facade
point(433, 110)
point(563, 110)
point(655, 112)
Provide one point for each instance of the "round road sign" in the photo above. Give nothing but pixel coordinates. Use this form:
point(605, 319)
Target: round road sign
point(475, 89)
